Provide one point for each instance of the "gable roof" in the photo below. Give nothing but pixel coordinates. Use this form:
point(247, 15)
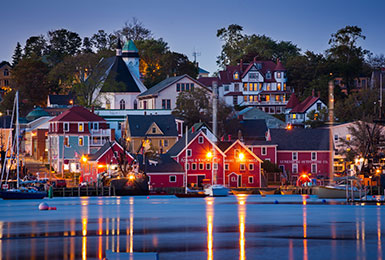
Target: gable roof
point(60, 100)
point(304, 105)
point(139, 124)
point(181, 143)
point(301, 139)
point(293, 101)
point(200, 70)
point(3, 63)
point(163, 163)
point(255, 113)
point(76, 114)
point(244, 147)
point(155, 90)
point(208, 81)
point(107, 146)
point(250, 129)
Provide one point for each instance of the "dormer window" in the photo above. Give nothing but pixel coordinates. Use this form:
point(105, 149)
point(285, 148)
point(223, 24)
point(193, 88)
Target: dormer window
point(268, 75)
point(278, 75)
point(236, 75)
point(153, 130)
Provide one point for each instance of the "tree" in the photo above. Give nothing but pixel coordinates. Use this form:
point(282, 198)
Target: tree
point(174, 64)
point(366, 142)
point(317, 118)
point(196, 106)
point(135, 31)
point(63, 43)
point(35, 46)
point(231, 49)
point(29, 77)
point(346, 56)
point(17, 54)
point(87, 45)
point(376, 61)
point(103, 41)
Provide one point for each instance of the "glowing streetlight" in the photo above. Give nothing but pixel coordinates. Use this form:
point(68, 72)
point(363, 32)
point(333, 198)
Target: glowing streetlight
point(241, 156)
point(209, 155)
point(84, 159)
point(289, 127)
point(131, 177)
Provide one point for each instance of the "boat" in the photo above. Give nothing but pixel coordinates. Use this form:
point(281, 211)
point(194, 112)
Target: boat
point(191, 194)
point(337, 192)
point(133, 184)
point(216, 190)
point(267, 192)
point(287, 192)
point(18, 193)
point(242, 191)
point(22, 194)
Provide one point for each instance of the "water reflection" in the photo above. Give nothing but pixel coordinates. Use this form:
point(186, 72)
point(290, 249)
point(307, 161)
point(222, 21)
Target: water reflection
point(379, 247)
point(131, 224)
point(84, 213)
point(209, 218)
point(304, 223)
point(241, 217)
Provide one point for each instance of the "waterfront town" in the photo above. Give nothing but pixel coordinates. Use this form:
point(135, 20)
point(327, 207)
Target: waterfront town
point(120, 143)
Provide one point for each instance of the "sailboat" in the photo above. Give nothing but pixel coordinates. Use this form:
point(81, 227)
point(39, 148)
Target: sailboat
point(18, 192)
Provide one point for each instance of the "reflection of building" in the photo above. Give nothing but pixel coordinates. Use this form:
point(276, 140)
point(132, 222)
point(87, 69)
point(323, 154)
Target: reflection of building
point(260, 83)
point(161, 130)
point(164, 94)
point(73, 133)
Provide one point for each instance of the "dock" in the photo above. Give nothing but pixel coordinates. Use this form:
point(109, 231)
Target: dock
point(84, 191)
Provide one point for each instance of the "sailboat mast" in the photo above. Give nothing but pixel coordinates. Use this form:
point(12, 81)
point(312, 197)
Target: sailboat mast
point(17, 139)
point(186, 162)
point(215, 109)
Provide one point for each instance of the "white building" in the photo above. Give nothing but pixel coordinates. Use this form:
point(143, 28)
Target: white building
point(164, 94)
point(118, 80)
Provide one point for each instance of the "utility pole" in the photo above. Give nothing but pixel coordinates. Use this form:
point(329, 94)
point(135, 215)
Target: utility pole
point(331, 122)
point(215, 108)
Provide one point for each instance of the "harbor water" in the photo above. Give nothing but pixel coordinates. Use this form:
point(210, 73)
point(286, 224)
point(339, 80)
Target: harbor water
point(234, 227)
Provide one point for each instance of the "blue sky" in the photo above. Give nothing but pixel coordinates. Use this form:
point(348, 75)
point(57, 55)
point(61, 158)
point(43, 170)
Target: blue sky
point(188, 25)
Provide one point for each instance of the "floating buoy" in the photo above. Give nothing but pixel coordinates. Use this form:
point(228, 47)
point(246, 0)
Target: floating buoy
point(148, 197)
point(307, 196)
point(43, 206)
point(276, 202)
point(323, 201)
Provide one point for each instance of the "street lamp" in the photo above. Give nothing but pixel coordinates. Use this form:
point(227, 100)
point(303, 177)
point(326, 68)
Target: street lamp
point(241, 156)
point(209, 155)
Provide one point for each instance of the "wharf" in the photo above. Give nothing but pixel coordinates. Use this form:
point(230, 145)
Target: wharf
point(84, 191)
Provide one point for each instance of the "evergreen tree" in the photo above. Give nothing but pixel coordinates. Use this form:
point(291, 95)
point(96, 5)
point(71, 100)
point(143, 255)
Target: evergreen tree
point(17, 54)
point(87, 45)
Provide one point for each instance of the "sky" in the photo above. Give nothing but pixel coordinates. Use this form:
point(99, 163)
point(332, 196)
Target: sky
point(188, 25)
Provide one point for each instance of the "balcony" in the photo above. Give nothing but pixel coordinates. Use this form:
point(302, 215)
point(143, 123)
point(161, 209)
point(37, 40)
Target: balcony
point(100, 137)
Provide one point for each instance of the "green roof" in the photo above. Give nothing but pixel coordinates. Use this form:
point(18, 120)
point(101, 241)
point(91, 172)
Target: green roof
point(130, 46)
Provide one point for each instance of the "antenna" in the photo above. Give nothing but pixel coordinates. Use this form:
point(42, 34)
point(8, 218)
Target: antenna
point(195, 55)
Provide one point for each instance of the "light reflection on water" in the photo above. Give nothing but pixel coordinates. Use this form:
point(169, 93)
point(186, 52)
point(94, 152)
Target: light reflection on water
point(92, 232)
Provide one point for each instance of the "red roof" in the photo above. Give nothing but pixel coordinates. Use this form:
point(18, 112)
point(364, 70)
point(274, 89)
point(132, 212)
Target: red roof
point(77, 114)
point(279, 66)
point(293, 101)
point(304, 105)
point(208, 81)
point(266, 66)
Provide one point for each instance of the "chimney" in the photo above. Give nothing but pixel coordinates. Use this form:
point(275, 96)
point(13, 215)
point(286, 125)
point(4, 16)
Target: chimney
point(240, 135)
point(192, 130)
point(255, 59)
point(229, 137)
point(312, 92)
point(319, 93)
point(241, 65)
point(92, 109)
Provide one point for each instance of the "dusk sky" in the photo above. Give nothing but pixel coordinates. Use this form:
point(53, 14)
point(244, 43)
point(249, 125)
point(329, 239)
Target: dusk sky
point(189, 25)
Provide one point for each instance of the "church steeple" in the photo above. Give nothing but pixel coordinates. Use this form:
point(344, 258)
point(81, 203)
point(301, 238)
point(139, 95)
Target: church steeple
point(130, 55)
point(119, 48)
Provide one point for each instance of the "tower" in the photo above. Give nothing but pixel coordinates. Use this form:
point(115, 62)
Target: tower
point(130, 56)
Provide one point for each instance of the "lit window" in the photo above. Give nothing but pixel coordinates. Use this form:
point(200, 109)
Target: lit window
point(208, 166)
point(294, 156)
point(194, 166)
point(226, 166)
point(66, 141)
point(294, 116)
point(279, 86)
point(81, 141)
point(267, 98)
point(81, 127)
point(245, 98)
point(313, 156)
point(242, 167)
point(172, 178)
point(268, 87)
point(108, 104)
point(189, 152)
point(278, 75)
point(251, 179)
point(284, 86)
point(251, 166)
point(236, 75)
point(200, 140)
point(348, 137)
point(244, 86)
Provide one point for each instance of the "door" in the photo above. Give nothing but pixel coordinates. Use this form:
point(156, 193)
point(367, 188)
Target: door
point(199, 180)
point(239, 181)
point(233, 180)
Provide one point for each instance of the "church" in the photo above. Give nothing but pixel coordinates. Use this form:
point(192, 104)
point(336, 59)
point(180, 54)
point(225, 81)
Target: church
point(118, 80)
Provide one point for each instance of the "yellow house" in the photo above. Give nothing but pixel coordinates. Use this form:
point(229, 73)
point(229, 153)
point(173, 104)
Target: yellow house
point(159, 131)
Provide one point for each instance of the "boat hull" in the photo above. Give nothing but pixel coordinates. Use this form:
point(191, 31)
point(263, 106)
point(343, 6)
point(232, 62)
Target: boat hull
point(19, 195)
point(190, 195)
point(126, 187)
point(267, 192)
point(217, 191)
point(334, 193)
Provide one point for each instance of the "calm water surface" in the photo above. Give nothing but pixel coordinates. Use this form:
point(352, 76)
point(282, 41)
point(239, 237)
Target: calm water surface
point(236, 227)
